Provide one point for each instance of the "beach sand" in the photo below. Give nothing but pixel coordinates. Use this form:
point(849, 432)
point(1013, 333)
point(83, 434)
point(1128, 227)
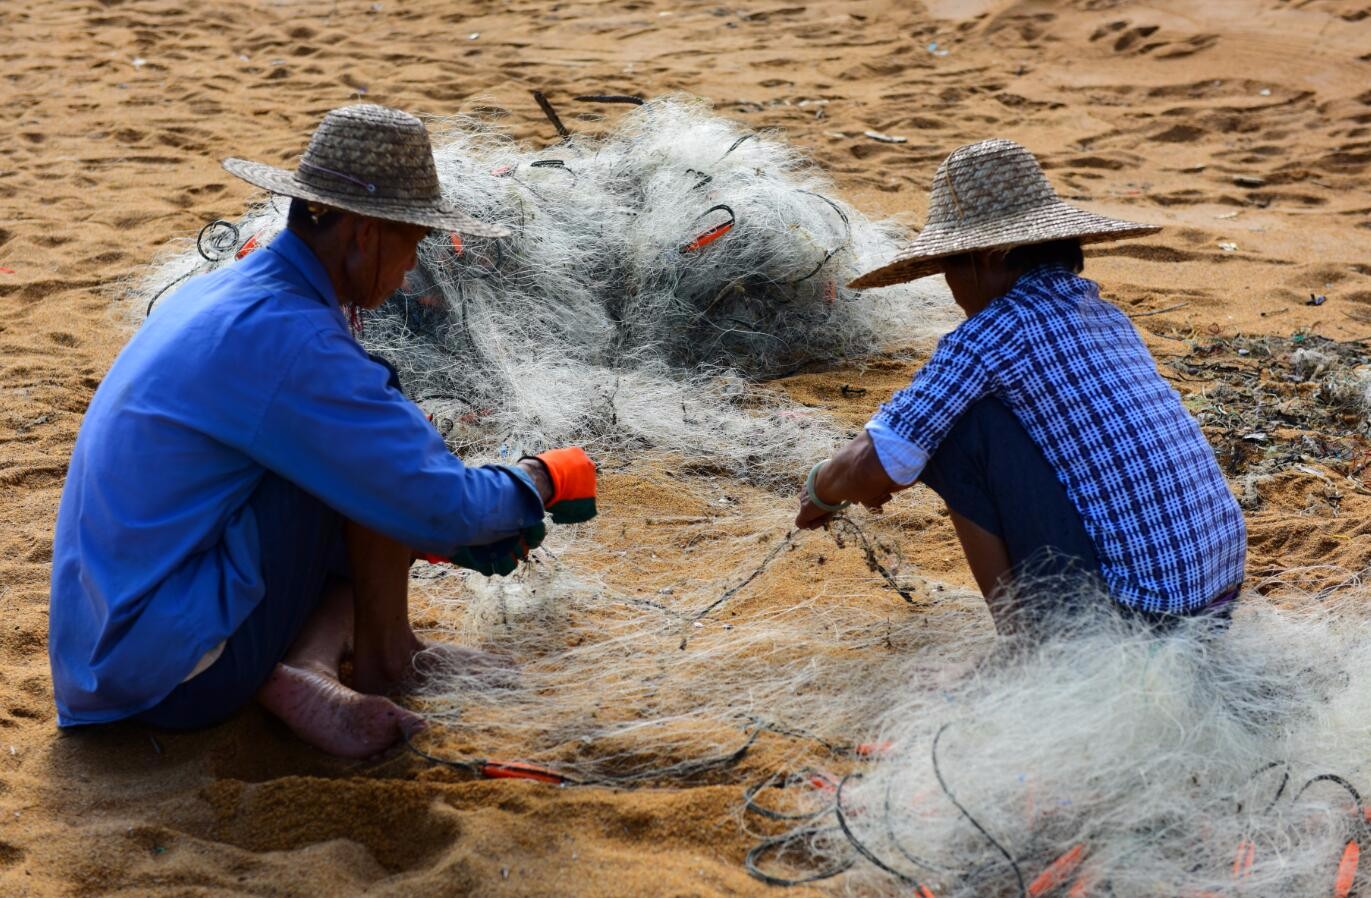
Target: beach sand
point(1245, 129)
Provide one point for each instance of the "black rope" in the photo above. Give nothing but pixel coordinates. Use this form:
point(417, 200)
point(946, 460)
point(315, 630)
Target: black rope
point(753, 859)
point(872, 562)
point(1334, 778)
point(714, 233)
point(857, 843)
point(557, 164)
point(733, 591)
point(737, 143)
point(703, 178)
point(158, 295)
point(750, 801)
point(217, 240)
point(894, 840)
point(842, 751)
point(847, 237)
point(683, 769)
point(551, 114)
point(611, 98)
point(1280, 790)
point(942, 783)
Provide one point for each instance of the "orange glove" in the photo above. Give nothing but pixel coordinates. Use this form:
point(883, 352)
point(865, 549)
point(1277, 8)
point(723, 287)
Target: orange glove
point(573, 484)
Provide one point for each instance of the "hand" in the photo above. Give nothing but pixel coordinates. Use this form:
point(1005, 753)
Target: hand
point(811, 516)
point(855, 473)
point(498, 558)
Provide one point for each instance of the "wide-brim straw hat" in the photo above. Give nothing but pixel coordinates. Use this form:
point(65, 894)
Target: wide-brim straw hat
point(371, 160)
point(993, 195)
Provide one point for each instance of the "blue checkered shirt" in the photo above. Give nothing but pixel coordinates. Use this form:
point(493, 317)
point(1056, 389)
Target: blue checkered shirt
point(1168, 533)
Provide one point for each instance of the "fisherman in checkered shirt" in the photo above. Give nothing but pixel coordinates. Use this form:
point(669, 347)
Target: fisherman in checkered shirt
point(1041, 420)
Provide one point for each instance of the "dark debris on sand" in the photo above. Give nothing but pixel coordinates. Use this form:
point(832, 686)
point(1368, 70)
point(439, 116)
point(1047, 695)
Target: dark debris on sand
point(1271, 403)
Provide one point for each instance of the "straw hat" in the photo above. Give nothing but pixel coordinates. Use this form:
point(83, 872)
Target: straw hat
point(993, 195)
point(372, 160)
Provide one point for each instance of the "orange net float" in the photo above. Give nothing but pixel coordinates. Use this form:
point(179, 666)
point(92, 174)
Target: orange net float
point(456, 243)
point(824, 782)
point(248, 247)
point(714, 233)
point(1057, 872)
point(1081, 888)
point(519, 770)
point(1347, 870)
point(1243, 859)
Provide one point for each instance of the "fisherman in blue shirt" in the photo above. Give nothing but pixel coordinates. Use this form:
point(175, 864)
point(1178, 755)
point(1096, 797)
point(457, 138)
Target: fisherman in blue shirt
point(1042, 421)
point(249, 487)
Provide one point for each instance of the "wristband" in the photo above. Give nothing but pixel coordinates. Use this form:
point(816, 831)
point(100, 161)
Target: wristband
point(814, 497)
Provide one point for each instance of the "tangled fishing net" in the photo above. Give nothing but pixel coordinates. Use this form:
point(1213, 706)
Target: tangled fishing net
point(884, 748)
point(1110, 761)
point(652, 276)
point(882, 738)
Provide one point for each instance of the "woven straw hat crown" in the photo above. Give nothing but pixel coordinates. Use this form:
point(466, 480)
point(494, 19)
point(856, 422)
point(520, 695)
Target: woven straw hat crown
point(993, 195)
point(371, 160)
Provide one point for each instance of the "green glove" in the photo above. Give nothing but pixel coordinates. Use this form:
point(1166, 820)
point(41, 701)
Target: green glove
point(498, 559)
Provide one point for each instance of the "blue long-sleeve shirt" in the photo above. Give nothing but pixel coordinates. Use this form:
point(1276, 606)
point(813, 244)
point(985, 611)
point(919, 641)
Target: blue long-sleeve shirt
point(249, 369)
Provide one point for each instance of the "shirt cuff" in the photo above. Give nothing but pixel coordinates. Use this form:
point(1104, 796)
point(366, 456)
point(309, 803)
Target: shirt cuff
point(902, 460)
point(529, 496)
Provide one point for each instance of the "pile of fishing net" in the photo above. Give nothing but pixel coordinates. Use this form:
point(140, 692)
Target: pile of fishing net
point(1110, 761)
point(652, 275)
point(889, 749)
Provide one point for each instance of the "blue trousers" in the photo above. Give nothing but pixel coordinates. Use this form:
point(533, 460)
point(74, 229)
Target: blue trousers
point(991, 472)
point(301, 548)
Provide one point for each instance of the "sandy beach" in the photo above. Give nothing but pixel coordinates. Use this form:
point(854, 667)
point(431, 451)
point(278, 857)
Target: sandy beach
point(1242, 128)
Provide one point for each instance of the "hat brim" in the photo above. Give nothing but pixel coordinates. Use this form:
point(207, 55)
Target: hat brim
point(440, 216)
point(1058, 221)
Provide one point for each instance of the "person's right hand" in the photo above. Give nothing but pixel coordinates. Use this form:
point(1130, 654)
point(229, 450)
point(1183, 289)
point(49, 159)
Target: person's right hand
point(811, 516)
point(854, 473)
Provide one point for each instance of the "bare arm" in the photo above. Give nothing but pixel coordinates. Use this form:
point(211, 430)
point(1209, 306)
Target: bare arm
point(854, 474)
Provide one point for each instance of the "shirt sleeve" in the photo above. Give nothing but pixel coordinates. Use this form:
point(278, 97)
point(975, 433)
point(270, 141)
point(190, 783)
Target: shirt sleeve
point(908, 429)
point(335, 428)
point(902, 460)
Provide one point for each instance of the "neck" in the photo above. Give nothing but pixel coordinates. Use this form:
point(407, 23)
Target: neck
point(994, 283)
point(330, 254)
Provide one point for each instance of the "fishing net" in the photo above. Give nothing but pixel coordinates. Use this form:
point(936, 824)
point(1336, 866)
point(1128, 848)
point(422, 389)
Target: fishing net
point(653, 275)
point(882, 738)
point(887, 746)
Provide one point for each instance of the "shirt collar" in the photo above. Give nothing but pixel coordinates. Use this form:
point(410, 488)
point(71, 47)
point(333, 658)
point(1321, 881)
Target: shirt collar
point(298, 254)
point(1046, 269)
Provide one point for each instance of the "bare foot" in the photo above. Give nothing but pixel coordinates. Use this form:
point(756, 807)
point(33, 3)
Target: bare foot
point(330, 716)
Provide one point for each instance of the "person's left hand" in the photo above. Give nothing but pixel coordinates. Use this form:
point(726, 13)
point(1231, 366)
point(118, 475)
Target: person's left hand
point(811, 516)
point(498, 558)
